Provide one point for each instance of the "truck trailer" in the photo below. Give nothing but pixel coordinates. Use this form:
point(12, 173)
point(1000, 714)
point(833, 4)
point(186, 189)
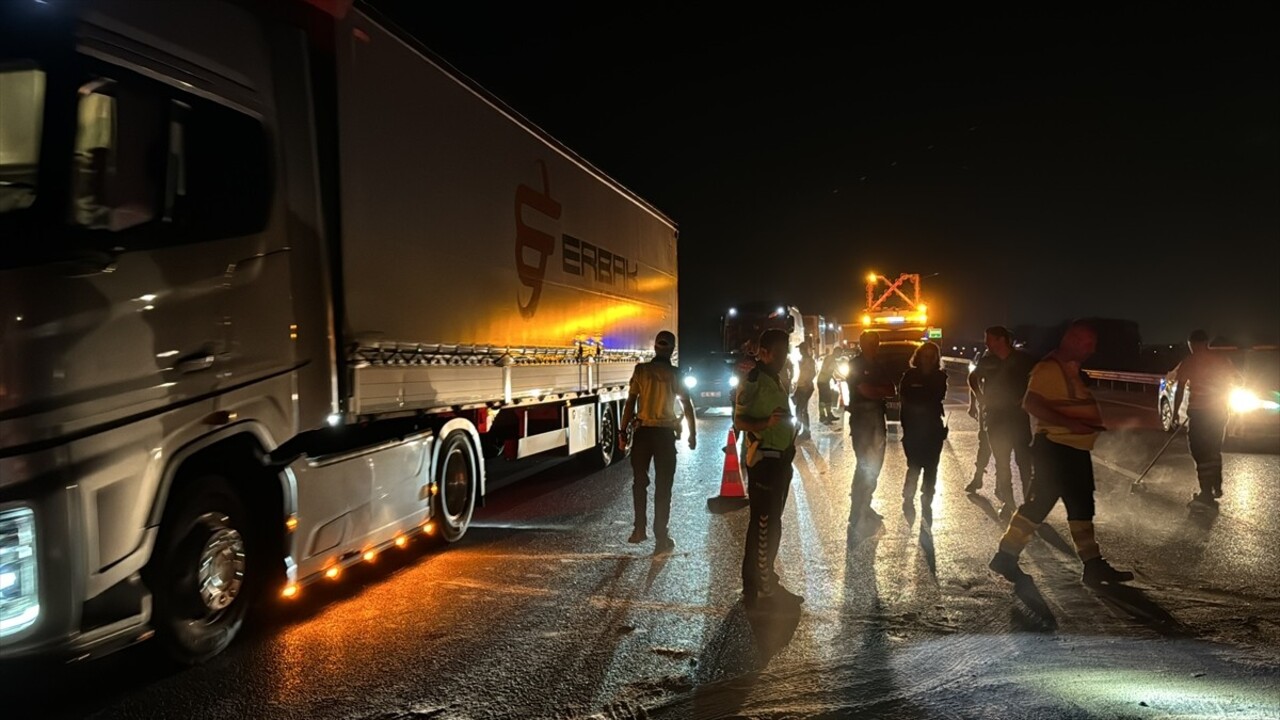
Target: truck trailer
point(280, 290)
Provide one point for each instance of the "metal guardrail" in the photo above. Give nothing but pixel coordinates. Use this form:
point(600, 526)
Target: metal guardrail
point(1111, 379)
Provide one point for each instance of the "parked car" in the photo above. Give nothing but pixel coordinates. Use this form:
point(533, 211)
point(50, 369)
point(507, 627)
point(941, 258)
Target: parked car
point(1254, 406)
point(896, 356)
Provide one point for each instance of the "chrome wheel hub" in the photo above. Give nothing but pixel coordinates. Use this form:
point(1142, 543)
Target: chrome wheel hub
point(222, 568)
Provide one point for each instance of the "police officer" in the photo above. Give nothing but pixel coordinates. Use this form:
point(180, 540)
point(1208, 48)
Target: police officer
point(761, 413)
point(869, 387)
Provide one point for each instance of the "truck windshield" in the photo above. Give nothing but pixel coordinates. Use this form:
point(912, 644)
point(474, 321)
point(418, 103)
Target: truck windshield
point(21, 114)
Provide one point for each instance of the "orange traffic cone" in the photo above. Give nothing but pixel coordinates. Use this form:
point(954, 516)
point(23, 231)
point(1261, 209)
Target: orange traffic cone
point(732, 493)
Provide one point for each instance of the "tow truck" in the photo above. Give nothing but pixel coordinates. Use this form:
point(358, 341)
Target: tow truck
point(898, 313)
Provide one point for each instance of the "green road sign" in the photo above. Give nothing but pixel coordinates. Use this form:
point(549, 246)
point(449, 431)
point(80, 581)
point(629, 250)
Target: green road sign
point(935, 333)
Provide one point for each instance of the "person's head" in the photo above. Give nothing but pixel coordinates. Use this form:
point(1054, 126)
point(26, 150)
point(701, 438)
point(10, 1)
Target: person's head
point(1198, 340)
point(869, 342)
point(1078, 342)
point(999, 340)
point(774, 347)
point(927, 357)
point(664, 344)
point(804, 349)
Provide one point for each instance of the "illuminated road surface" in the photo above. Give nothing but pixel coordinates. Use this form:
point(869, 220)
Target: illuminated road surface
point(544, 610)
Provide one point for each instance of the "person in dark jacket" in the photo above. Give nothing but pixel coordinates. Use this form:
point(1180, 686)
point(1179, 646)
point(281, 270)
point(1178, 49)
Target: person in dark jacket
point(870, 386)
point(922, 388)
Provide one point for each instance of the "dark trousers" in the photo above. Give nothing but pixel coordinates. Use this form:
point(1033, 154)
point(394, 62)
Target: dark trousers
point(922, 444)
point(1205, 431)
point(802, 398)
point(1061, 473)
point(984, 448)
point(826, 401)
point(1009, 432)
point(868, 432)
point(656, 445)
point(768, 485)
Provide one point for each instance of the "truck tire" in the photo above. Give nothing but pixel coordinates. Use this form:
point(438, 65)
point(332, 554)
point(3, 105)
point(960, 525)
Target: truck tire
point(608, 447)
point(458, 477)
point(200, 574)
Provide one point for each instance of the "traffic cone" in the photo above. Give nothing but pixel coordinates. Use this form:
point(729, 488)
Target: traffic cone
point(732, 493)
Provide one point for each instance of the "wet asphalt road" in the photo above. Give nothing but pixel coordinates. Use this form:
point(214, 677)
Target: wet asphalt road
point(544, 609)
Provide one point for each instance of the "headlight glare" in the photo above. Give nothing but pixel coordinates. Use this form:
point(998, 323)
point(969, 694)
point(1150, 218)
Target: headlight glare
point(1243, 401)
point(19, 587)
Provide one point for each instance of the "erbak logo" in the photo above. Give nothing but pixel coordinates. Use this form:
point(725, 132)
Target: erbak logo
point(530, 240)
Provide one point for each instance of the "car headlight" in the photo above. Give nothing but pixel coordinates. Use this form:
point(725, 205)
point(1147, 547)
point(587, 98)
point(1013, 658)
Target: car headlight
point(1244, 401)
point(733, 381)
point(690, 381)
point(842, 369)
point(19, 588)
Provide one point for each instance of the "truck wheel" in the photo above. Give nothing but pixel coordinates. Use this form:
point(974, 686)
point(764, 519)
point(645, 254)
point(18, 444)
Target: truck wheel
point(459, 484)
point(1166, 416)
point(200, 575)
point(608, 436)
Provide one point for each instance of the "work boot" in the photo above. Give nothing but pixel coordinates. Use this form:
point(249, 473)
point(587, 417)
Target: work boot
point(1006, 566)
point(1098, 571)
point(975, 485)
point(637, 536)
point(663, 545)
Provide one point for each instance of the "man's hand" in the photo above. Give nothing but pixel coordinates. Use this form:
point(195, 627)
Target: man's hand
point(973, 411)
point(693, 441)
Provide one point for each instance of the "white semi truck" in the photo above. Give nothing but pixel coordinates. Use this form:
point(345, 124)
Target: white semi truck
point(279, 290)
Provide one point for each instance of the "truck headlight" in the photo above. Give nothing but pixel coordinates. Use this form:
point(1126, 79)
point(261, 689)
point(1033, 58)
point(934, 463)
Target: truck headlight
point(19, 588)
point(690, 381)
point(733, 381)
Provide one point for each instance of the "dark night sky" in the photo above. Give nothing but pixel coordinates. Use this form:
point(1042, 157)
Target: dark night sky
point(1044, 165)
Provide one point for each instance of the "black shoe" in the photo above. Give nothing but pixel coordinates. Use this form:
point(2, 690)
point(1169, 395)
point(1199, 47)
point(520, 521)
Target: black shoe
point(663, 545)
point(1202, 501)
point(637, 536)
point(779, 599)
point(782, 597)
point(1217, 491)
point(1006, 566)
point(1098, 571)
point(975, 485)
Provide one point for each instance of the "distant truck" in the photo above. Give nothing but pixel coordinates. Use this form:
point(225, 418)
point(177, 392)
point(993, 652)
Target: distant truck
point(272, 307)
point(743, 324)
